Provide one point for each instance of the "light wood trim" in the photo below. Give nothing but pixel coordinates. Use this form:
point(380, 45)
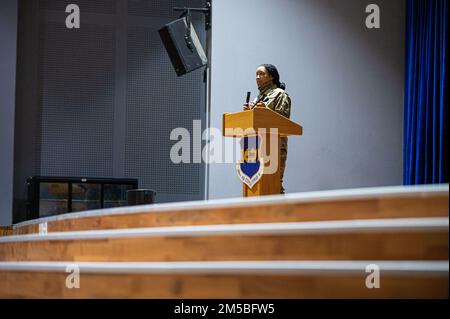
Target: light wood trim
point(240, 120)
point(259, 119)
point(52, 285)
point(266, 118)
point(347, 209)
point(302, 228)
point(363, 245)
point(6, 230)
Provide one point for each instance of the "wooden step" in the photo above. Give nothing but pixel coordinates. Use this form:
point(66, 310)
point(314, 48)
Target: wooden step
point(6, 230)
point(380, 239)
point(309, 245)
point(365, 203)
point(269, 279)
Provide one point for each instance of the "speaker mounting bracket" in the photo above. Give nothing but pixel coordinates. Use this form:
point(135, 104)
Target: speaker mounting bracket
point(186, 12)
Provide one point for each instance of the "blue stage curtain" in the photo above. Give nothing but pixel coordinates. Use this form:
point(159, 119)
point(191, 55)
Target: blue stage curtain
point(425, 151)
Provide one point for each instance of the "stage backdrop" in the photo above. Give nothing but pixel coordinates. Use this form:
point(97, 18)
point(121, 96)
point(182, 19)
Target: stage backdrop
point(345, 81)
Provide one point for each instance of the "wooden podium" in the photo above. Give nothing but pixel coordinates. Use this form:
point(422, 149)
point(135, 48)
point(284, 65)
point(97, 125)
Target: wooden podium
point(259, 122)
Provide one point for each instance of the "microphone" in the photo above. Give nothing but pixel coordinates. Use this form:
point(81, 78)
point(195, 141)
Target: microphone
point(247, 100)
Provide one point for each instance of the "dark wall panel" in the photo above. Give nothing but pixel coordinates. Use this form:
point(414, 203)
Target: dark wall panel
point(157, 102)
point(77, 95)
point(101, 100)
point(151, 8)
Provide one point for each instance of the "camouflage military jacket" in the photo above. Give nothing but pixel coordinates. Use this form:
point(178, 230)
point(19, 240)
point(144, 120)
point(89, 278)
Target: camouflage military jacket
point(279, 101)
point(276, 99)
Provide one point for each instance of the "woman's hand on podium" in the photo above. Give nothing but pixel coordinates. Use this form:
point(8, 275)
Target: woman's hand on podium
point(249, 106)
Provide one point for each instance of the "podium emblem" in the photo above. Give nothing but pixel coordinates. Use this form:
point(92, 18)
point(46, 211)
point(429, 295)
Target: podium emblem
point(251, 167)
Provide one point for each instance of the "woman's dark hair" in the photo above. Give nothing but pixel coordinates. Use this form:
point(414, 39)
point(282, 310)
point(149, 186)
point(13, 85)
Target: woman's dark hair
point(276, 76)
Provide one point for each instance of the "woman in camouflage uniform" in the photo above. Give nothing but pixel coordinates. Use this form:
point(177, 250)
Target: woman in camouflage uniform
point(273, 96)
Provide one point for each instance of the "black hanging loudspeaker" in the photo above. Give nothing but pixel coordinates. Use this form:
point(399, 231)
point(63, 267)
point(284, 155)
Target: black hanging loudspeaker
point(183, 46)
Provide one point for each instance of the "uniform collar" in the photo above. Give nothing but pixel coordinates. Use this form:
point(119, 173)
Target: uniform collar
point(267, 88)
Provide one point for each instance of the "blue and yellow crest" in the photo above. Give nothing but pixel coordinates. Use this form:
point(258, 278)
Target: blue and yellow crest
point(251, 167)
